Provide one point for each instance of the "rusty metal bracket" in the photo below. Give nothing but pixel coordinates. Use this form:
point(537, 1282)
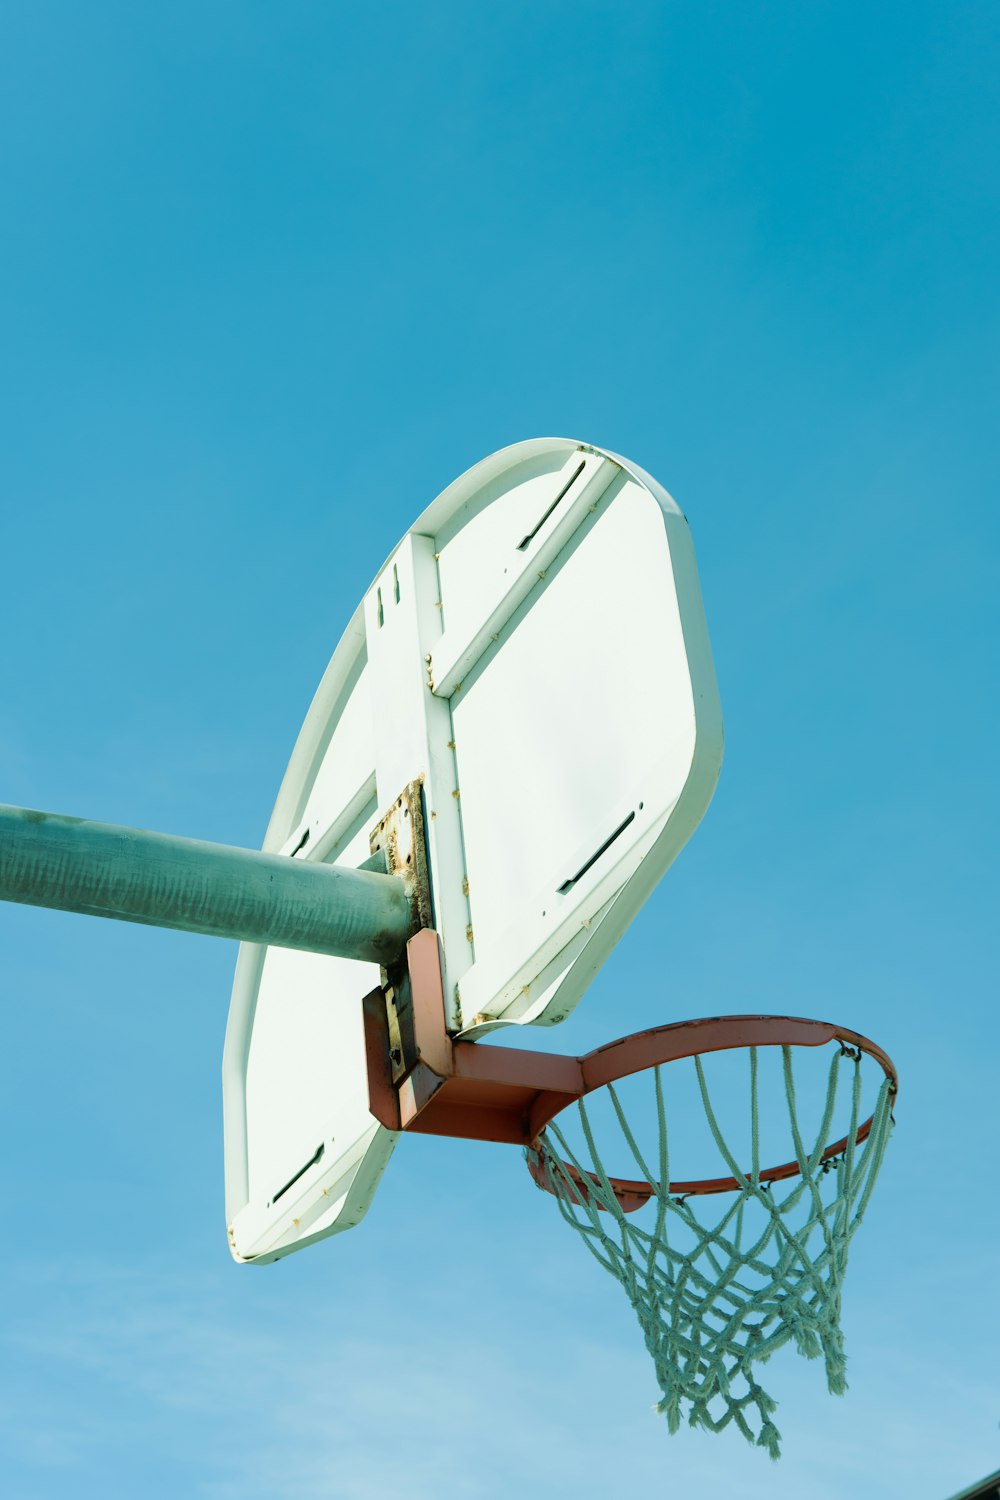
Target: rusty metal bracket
point(400, 837)
point(443, 1087)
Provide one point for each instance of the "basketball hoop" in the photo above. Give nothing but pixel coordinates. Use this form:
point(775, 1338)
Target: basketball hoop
point(713, 1299)
point(650, 1049)
point(531, 852)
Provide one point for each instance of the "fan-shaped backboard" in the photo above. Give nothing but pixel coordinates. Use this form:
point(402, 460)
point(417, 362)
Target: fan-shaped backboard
point(535, 650)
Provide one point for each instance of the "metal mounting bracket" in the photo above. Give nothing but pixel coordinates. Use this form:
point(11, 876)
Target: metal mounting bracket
point(400, 837)
point(441, 1087)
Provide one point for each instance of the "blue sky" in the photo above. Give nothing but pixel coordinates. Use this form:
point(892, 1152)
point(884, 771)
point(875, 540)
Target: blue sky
point(272, 277)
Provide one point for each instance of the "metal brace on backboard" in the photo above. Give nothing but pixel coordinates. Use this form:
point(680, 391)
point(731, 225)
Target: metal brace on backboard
point(400, 837)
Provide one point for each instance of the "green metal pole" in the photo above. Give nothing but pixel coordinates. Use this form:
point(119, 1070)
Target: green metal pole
point(134, 876)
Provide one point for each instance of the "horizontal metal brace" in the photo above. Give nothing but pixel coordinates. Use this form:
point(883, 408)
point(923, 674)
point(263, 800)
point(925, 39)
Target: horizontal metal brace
point(192, 886)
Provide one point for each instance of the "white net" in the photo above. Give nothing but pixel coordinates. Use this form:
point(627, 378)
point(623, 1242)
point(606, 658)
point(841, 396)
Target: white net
point(717, 1296)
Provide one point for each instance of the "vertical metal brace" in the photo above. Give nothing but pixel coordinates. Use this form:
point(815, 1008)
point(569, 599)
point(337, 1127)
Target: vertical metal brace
point(401, 839)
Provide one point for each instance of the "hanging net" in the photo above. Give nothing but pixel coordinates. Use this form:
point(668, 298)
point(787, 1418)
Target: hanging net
point(722, 1272)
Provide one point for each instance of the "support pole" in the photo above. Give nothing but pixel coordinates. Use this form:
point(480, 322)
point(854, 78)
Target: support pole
point(192, 886)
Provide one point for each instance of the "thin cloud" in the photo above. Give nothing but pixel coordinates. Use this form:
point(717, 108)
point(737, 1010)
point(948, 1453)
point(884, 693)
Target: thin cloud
point(135, 1357)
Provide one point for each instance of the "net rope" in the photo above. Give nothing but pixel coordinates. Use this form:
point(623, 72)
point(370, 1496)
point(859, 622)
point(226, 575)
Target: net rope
point(768, 1272)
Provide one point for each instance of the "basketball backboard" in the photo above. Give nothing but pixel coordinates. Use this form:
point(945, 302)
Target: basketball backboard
point(534, 652)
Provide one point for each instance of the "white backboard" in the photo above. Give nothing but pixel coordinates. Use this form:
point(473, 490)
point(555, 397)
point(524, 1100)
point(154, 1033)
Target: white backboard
point(535, 649)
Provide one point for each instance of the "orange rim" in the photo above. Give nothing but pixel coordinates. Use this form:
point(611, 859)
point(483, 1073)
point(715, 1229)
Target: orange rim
point(662, 1044)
